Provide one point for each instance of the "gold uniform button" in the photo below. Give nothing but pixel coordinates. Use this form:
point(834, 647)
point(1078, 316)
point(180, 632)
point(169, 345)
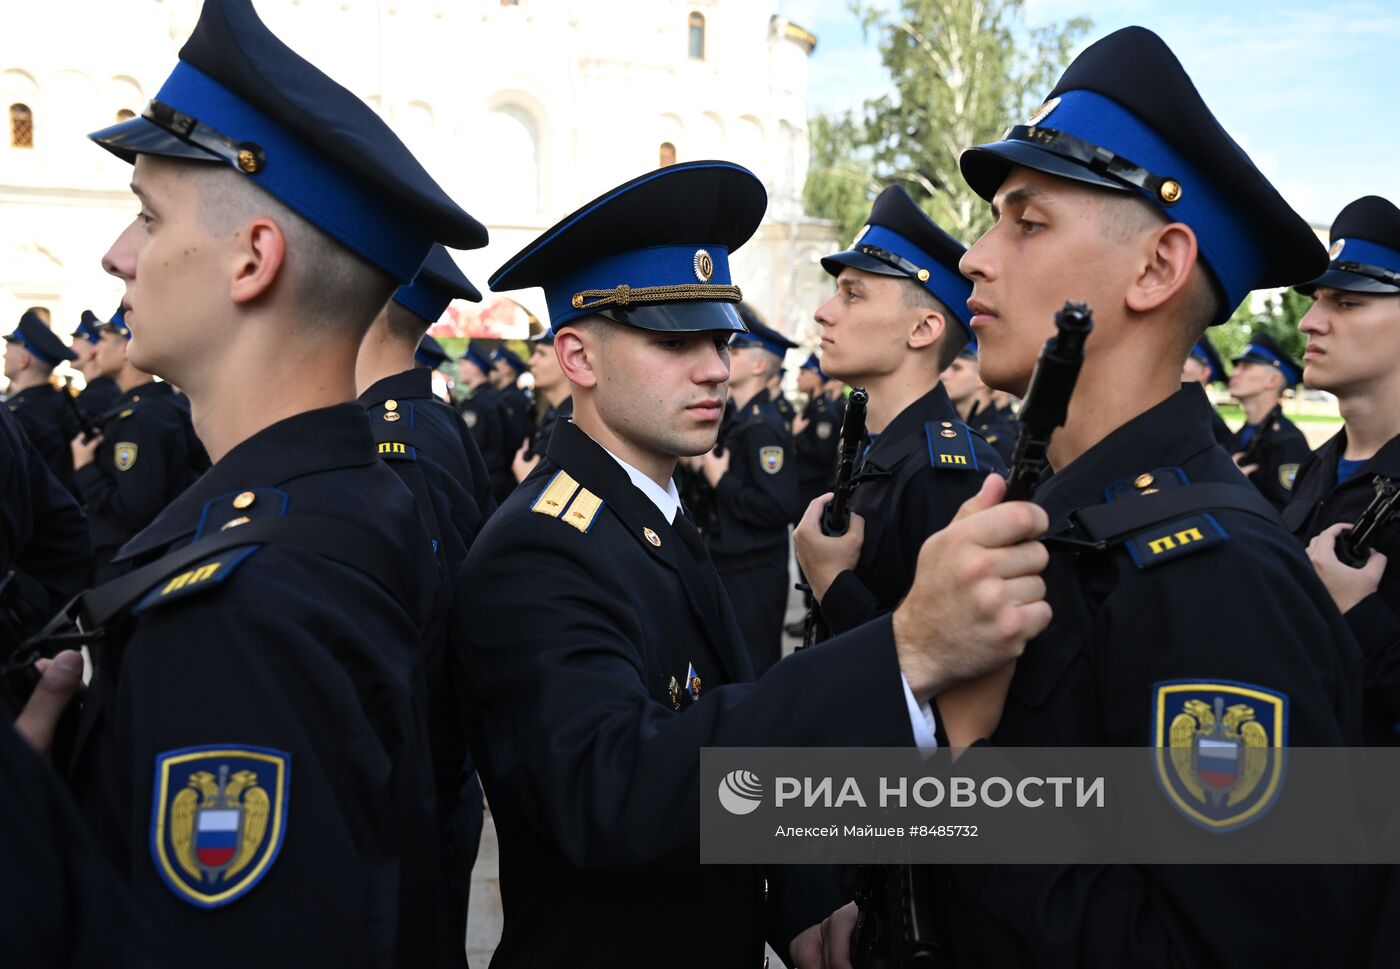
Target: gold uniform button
point(1142, 481)
point(245, 500)
point(1170, 191)
point(391, 405)
point(923, 275)
point(947, 424)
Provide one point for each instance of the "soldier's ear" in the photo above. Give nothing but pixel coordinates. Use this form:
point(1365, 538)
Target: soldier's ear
point(1164, 274)
point(927, 330)
point(577, 354)
point(259, 258)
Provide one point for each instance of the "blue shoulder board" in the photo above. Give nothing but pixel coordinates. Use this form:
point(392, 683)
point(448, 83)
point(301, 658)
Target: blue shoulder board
point(950, 446)
point(1172, 540)
point(201, 577)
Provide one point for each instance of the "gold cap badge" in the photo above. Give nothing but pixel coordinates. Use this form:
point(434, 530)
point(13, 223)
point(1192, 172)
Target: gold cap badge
point(704, 266)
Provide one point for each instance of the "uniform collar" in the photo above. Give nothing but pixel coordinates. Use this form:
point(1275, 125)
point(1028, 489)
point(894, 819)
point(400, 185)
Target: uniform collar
point(667, 501)
point(908, 425)
point(1167, 435)
point(1386, 461)
point(317, 440)
point(150, 388)
point(415, 384)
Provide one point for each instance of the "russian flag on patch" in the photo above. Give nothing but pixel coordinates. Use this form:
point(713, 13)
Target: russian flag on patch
point(216, 836)
point(1218, 762)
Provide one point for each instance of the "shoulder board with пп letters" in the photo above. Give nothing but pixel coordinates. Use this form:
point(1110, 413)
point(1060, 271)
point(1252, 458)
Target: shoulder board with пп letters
point(950, 446)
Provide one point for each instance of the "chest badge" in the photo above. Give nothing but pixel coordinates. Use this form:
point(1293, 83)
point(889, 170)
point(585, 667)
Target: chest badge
point(652, 537)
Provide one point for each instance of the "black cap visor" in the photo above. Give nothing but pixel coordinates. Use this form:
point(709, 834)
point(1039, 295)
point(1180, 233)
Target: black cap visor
point(697, 317)
point(985, 167)
point(138, 136)
point(865, 262)
point(1348, 282)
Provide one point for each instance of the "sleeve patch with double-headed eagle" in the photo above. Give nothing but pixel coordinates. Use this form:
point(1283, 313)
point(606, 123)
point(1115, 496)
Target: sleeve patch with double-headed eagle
point(565, 499)
point(1219, 749)
point(218, 819)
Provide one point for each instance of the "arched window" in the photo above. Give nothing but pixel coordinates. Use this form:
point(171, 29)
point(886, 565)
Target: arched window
point(668, 154)
point(697, 36)
point(125, 114)
point(21, 126)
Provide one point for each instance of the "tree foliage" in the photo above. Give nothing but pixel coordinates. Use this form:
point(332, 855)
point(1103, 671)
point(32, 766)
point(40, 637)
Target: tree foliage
point(1278, 315)
point(961, 72)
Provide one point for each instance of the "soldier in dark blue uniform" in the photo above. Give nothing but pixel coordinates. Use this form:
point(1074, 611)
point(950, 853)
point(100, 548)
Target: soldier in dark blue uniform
point(252, 751)
point(1124, 191)
point(430, 354)
point(1352, 352)
point(31, 353)
point(972, 399)
point(45, 545)
point(605, 652)
point(1203, 366)
point(99, 393)
point(146, 452)
point(484, 414)
point(897, 319)
point(1269, 448)
point(780, 400)
point(754, 482)
point(421, 438)
point(814, 435)
point(505, 375)
point(552, 394)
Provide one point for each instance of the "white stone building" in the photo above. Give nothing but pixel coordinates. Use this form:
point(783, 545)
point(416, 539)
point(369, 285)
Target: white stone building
point(522, 110)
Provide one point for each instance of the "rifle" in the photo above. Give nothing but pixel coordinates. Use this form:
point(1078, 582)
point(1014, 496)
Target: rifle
point(895, 928)
point(1354, 546)
point(837, 516)
point(1047, 399)
point(70, 397)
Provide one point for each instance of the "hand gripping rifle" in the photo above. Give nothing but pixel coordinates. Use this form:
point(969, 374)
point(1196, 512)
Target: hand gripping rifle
point(1354, 546)
point(1047, 399)
point(837, 516)
point(895, 927)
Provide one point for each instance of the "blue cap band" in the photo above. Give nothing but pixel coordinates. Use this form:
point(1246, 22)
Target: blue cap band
point(369, 223)
point(638, 268)
point(1364, 252)
point(753, 339)
point(1254, 353)
point(1223, 234)
point(475, 356)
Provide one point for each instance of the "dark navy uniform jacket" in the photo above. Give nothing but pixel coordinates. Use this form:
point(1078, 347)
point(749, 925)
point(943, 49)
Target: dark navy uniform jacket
point(65, 908)
point(45, 418)
point(757, 498)
point(284, 651)
point(1280, 452)
point(484, 414)
point(519, 419)
point(148, 455)
point(1127, 621)
point(997, 429)
point(910, 484)
point(44, 537)
point(816, 449)
point(1318, 503)
point(539, 437)
point(589, 604)
point(98, 396)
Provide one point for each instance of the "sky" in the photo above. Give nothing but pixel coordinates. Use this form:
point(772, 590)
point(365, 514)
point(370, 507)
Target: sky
point(1309, 90)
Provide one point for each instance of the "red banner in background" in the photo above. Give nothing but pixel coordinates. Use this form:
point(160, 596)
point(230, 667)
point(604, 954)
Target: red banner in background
point(494, 318)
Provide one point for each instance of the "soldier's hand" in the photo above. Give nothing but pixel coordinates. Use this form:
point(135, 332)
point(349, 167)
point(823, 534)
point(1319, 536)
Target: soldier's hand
point(1245, 469)
point(84, 452)
point(714, 465)
point(970, 711)
point(977, 597)
point(823, 557)
point(61, 678)
point(521, 466)
point(837, 930)
point(800, 423)
point(805, 949)
point(1346, 585)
